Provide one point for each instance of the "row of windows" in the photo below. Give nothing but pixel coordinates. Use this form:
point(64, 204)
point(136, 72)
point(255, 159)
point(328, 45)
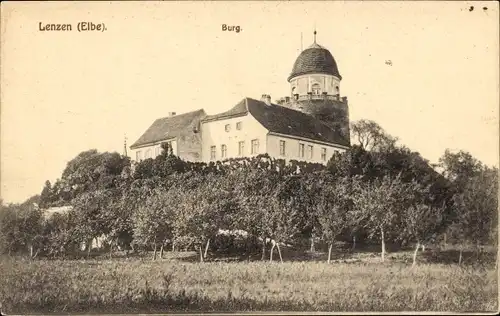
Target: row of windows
point(316, 89)
point(310, 150)
point(254, 149)
point(228, 126)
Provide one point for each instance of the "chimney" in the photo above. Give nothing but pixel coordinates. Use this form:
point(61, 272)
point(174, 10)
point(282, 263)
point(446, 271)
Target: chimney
point(263, 98)
point(268, 100)
point(287, 99)
point(171, 113)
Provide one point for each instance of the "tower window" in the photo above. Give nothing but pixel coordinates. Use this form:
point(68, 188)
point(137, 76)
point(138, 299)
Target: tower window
point(227, 127)
point(337, 89)
point(293, 90)
point(316, 89)
point(238, 125)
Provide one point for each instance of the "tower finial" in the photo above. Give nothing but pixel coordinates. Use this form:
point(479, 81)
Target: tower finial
point(315, 33)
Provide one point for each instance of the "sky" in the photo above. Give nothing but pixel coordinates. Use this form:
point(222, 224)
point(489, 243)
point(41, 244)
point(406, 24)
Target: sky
point(66, 92)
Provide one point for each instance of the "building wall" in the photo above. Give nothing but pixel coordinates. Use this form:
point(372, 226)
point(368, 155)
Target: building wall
point(215, 134)
point(292, 149)
point(154, 148)
point(303, 84)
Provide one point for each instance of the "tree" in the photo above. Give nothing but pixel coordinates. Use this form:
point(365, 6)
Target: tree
point(332, 208)
point(153, 221)
point(421, 222)
point(371, 136)
point(377, 205)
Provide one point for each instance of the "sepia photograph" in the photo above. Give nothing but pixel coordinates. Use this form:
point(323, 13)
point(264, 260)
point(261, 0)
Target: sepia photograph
point(249, 157)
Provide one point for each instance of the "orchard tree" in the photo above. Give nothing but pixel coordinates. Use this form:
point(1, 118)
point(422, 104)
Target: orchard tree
point(333, 204)
point(378, 206)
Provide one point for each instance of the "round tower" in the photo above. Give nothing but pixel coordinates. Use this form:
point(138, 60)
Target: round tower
point(315, 88)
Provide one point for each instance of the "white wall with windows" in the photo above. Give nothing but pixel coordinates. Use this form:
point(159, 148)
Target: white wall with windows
point(316, 84)
point(290, 148)
point(151, 150)
point(241, 136)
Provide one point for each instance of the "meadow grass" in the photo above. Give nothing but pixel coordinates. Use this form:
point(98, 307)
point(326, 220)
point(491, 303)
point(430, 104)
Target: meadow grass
point(137, 285)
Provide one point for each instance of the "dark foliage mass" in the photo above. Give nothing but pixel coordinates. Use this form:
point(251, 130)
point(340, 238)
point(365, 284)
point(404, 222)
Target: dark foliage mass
point(374, 191)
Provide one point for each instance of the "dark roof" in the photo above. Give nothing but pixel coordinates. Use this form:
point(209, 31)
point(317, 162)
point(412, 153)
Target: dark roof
point(315, 59)
point(169, 127)
point(283, 120)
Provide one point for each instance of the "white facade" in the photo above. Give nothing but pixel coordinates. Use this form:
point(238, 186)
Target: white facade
point(315, 84)
point(152, 150)
point(222, 139)
point(232, 138)
point(301, 149)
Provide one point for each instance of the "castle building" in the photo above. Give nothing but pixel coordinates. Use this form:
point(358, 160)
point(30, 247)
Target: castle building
point(308, 125)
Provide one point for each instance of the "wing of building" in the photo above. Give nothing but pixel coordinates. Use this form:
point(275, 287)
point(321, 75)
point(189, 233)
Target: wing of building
point(309, 125)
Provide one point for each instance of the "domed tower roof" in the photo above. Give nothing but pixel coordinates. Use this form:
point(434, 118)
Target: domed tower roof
point(315, 60)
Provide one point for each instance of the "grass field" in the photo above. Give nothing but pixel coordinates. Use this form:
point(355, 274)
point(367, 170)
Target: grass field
point(173, 284)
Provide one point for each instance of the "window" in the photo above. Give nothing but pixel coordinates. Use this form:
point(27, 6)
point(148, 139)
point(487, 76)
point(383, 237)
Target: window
point(316, 89)
point(241, 148)
point(138, 155)
point(227, 127)
point(310, 151)
point(223, 151)
point(238, 126)
point(212, 152)
point(282, 148)
point(301, 150)
point(323, 154)
point(255, 146)
point(148, 153)
point(157, 151)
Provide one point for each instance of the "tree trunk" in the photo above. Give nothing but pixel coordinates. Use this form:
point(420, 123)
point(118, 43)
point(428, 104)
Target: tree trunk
point(154, 252)
point(173, 246)
point(415, 254)
point(36, 253)
point(206, 249)
point(353, 243)
point(383, 243)
point(329, 252)
point(201, 253)
point(271, 253)
point(31, 251)
point(161, 251)
point(444, 241)
point(423, 247)
point(312, 243)
point(460, 257)
point(263, 250)
point(89, 247)
point(110, 250)
point(279, 252)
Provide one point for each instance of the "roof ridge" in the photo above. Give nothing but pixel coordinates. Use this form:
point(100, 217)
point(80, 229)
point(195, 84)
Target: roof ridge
point(183, 114)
